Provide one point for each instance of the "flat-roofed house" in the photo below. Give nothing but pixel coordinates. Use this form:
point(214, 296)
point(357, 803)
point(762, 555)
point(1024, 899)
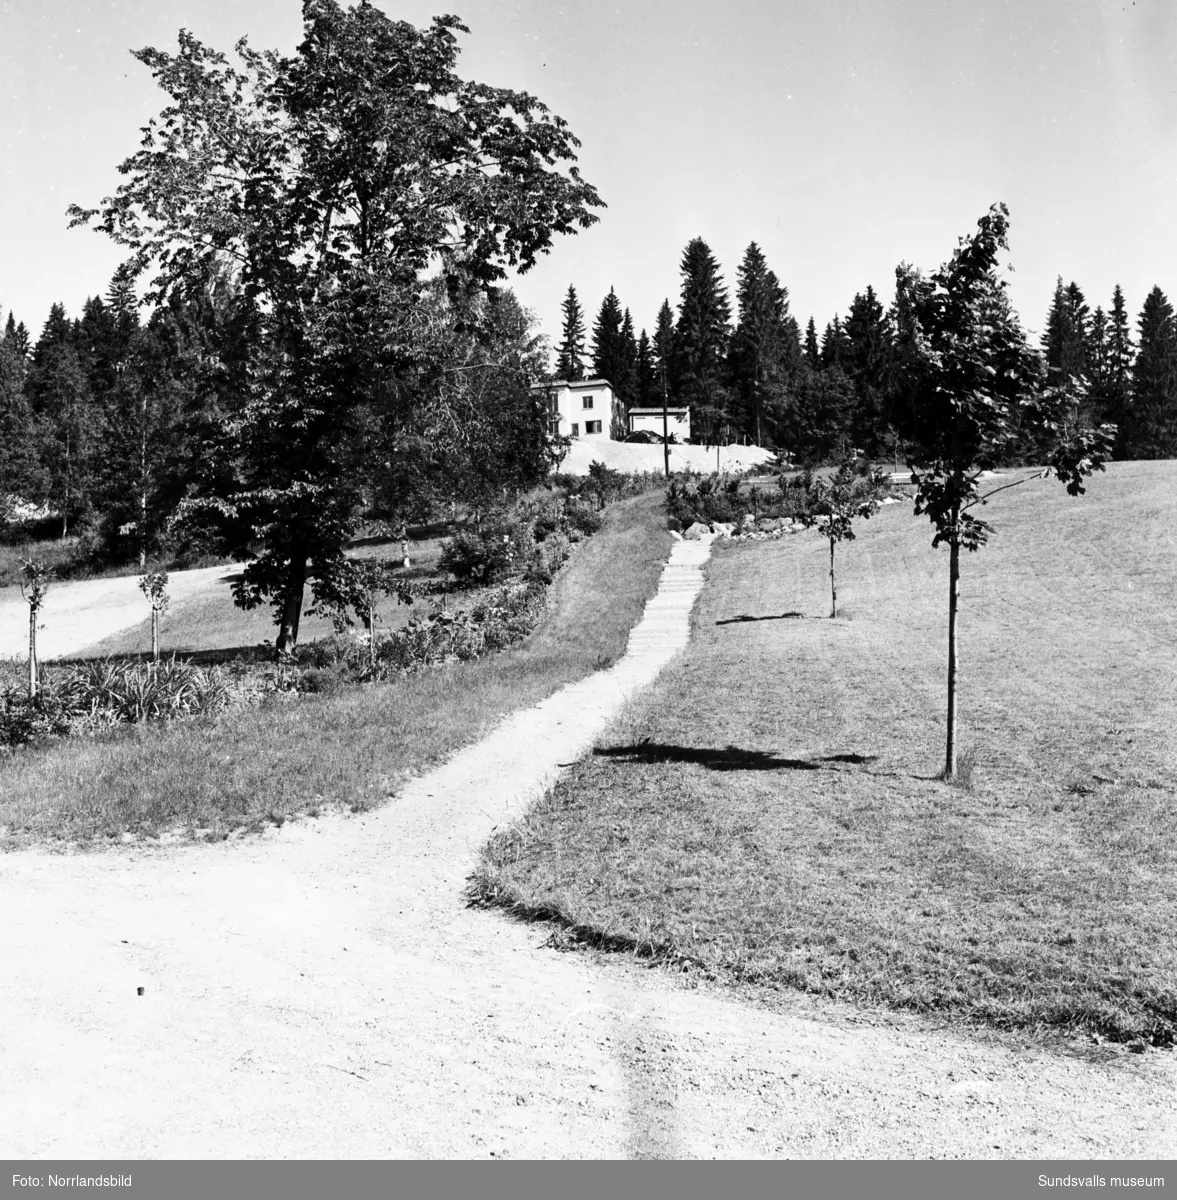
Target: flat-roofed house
point(586, 408)
point(649, 420)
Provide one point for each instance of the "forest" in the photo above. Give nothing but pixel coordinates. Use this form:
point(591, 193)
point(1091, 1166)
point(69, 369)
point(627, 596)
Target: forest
point(752, 374)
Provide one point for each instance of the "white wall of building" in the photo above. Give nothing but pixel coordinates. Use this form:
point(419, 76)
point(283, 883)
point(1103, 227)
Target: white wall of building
point(678, 422)
point(586, 409)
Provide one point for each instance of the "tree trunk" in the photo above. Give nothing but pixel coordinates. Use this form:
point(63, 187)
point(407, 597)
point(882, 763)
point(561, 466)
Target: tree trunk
point(143, 485)
point(833, 584)
point(372, 635)
point(154, 634)
point(953, 601)
point(292, 606)
point(32, 652)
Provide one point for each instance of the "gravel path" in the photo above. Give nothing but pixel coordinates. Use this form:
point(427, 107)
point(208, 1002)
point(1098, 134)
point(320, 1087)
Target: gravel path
point(323, 992)
point(78, 615)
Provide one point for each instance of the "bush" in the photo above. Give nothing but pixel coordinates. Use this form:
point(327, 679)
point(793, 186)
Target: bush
point(100, 694)
point(582, 519)
point(478, 556)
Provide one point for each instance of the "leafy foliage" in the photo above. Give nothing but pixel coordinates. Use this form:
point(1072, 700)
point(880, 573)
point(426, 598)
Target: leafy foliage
point(333, 196)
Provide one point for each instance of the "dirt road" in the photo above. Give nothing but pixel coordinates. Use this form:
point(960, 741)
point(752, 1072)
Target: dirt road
point(78, 615)
point(324, 992)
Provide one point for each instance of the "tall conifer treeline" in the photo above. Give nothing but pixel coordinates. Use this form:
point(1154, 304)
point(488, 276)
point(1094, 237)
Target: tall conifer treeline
point(752, 375)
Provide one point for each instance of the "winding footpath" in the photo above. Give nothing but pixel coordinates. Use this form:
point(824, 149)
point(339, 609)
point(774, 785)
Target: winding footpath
point(324, 992)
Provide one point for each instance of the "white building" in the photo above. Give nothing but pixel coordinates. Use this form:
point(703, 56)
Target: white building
point(584, 409)
point(649, 420)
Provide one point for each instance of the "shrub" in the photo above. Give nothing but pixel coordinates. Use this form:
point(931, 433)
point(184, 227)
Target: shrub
point(97, 695)
point(582, 519)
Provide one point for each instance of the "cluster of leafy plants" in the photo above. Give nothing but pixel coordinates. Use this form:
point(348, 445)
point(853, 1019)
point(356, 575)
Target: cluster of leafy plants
point(101, 694)
point(531, 543)
point(707, 499)
point(604, 485)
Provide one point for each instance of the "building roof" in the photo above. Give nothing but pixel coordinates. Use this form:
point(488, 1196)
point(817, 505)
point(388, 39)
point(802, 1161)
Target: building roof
point(657, 412)
point(575, 386)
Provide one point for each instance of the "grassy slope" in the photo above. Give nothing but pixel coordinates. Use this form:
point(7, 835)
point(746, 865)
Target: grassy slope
point(352, 748)
point(771, 808)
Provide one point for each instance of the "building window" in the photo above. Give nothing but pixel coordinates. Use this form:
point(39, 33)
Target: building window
point(587, 402)
point(575, 429)
point(592, 426)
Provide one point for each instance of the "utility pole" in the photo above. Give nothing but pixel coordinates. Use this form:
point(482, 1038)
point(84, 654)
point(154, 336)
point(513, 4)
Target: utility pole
point(665, 425)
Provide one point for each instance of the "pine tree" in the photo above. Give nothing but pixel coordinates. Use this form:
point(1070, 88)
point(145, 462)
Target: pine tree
point(570, 355)
point(701, 338)
point(1151, 420)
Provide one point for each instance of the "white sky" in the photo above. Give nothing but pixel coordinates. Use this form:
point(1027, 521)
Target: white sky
point(842, 135)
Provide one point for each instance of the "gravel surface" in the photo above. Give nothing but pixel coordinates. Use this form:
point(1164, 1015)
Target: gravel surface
point(77, 615)
point(323, 992)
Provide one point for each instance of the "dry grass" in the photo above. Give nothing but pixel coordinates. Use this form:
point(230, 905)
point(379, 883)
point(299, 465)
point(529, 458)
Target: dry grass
point(771, 809)
point(352, 748)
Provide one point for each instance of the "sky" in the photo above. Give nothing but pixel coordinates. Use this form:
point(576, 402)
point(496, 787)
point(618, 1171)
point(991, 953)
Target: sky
point(842, 136)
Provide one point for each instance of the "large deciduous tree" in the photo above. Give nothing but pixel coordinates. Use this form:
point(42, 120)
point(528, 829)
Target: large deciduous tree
point(974, 384)
point(335, 179)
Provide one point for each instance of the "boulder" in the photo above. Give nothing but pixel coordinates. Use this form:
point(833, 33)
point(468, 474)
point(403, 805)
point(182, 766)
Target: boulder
point(697, 531)
point(722, 528)
point(768, 524)
point(748, 523)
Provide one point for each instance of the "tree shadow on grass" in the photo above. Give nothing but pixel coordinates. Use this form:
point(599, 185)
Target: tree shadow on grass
point(743, 617)
point(731, 758)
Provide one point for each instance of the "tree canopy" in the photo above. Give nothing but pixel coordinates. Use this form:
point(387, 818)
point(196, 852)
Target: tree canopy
point(334, 180)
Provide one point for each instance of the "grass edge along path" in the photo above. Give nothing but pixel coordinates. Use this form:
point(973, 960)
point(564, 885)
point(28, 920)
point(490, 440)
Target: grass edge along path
point(769, 810)
point(210, 778)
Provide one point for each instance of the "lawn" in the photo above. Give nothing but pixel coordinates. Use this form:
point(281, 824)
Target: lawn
point(210, 625)
point(352, 748)
point(770, 810)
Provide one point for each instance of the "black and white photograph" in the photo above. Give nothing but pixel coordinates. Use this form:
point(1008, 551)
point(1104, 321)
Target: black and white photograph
point(588, 581)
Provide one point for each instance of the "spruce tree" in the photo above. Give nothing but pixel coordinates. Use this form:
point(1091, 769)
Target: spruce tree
point(69, 423)
point(21, 474)
point(759, 357)
point(628, 356)
point(812, 351)
point(868, 359)
point(649, 391)
point(701, 339)
point(570, 355)
point(1151, 421)
point(1065, 340)
point(1120, 354)
point(608, 354)
point(664, 352)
